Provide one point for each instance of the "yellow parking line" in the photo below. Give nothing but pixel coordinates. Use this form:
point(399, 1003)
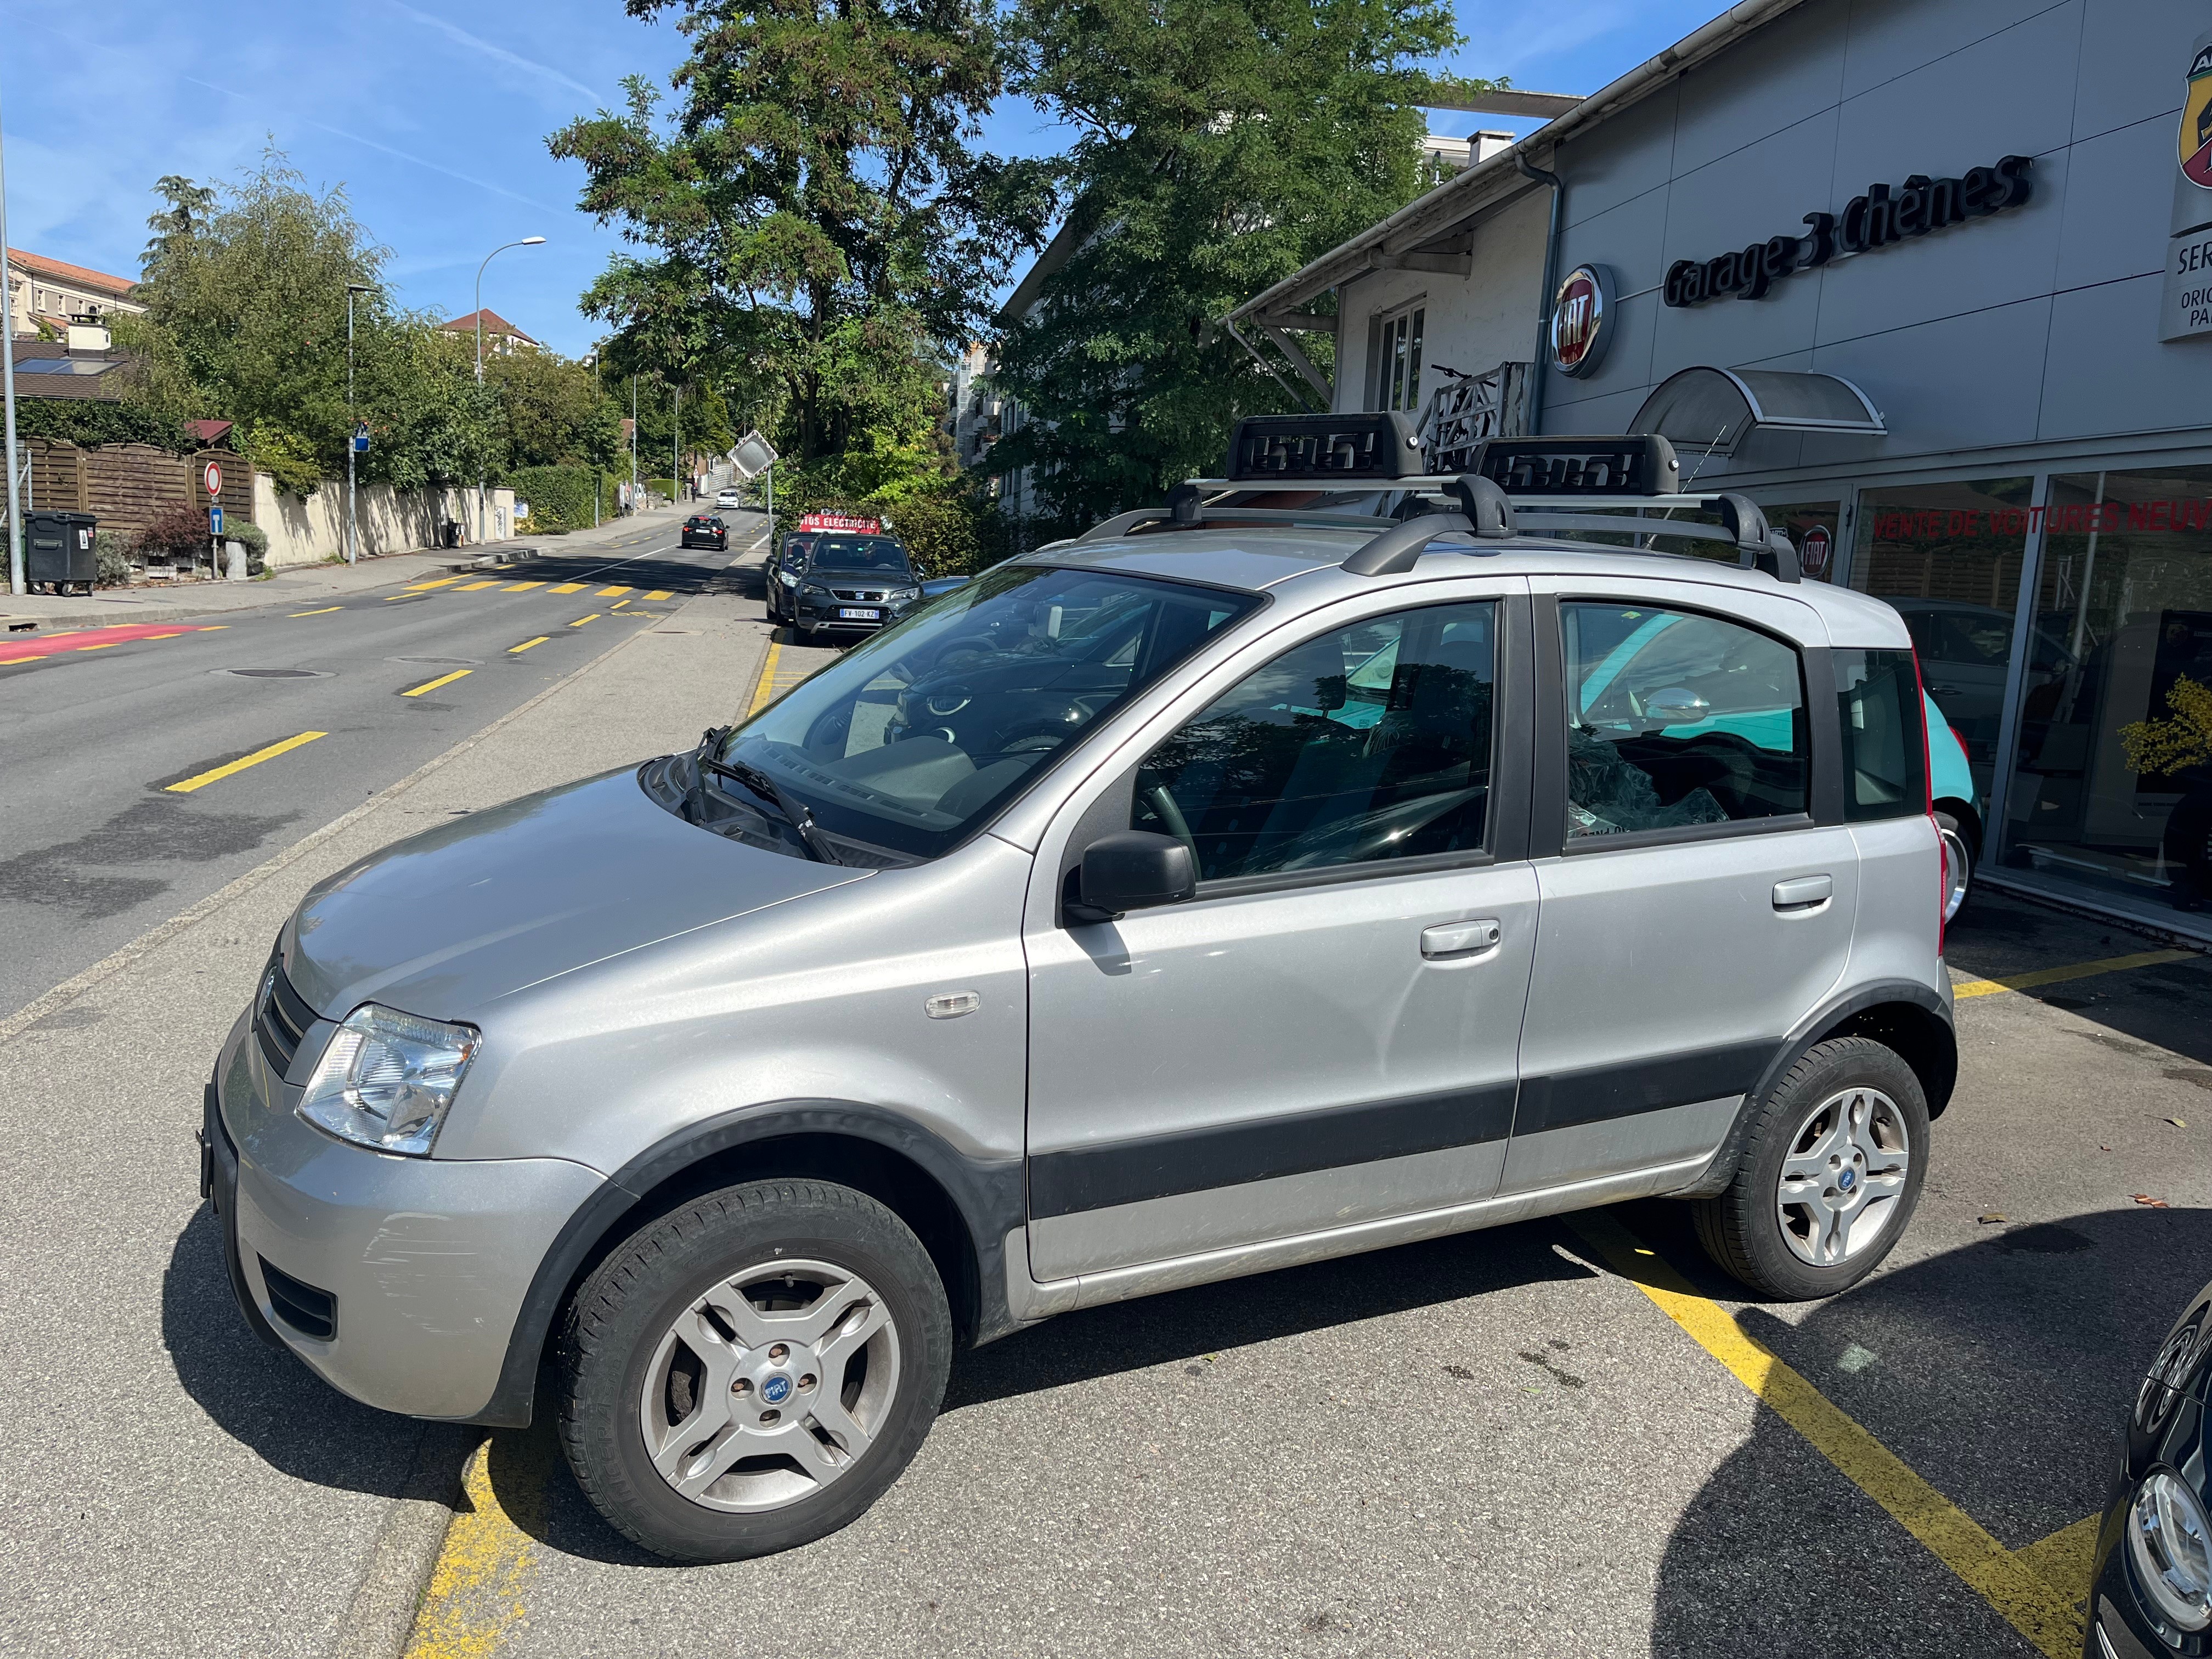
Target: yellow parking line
point(660, 593)
point(418, 587)
point(580, 621)
point(470, 588)
point(609, 592)
point(243, 761)
point(765, 688)
point(568, 587)
point(325, 612)
point(2038, 1610)
point(523, 588)
point(475, 1597)
point(526, 644)
point(1985, 987)
point(443, 679)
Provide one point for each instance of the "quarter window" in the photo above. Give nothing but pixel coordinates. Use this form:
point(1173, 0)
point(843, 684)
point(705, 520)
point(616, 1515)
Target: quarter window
point(1367, 743)
point(1677, 719)
point(1885, 742)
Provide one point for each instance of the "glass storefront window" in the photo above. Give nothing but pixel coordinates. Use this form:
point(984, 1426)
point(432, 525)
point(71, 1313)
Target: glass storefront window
point(2113, 784)
point(1949, 556)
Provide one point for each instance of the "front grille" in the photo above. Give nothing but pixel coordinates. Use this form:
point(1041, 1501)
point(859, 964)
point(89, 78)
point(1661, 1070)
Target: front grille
point(307, 1310)
point(280, 1017)
point(871, 595)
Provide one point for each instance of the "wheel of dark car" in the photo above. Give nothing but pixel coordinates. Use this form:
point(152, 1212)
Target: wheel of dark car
point(750, 1371)
point(1959, 855)
point(1828, 1175)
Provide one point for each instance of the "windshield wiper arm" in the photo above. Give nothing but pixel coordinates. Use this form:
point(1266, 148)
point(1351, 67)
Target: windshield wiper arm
point(800, 817)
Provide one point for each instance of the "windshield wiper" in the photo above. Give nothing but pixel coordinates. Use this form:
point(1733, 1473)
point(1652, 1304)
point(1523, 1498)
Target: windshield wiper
point(799, 817)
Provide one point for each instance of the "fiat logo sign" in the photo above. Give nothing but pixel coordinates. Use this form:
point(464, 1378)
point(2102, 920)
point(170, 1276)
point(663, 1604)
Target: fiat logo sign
point(1582, 321)
point(1812, 551)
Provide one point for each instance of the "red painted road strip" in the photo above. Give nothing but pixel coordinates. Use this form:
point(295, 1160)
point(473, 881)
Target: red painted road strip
point(18, 650)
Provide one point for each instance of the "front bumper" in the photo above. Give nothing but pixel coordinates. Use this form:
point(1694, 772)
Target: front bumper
point(822, 613)
point(428, 1260)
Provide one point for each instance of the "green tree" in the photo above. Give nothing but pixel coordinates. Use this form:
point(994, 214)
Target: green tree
point(812, 220)
point(246, 294)
point(554, 411)
point(1223, 144)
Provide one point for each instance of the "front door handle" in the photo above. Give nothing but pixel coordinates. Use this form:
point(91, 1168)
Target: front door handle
point(1803, 892)
point(1460, 938)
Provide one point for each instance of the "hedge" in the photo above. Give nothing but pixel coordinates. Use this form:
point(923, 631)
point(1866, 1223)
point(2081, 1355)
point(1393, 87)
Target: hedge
point(560, 497)
point(89, 424)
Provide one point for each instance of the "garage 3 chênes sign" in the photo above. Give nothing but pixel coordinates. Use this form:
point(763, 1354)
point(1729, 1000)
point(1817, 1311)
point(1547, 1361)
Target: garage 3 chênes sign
point(1875, 220)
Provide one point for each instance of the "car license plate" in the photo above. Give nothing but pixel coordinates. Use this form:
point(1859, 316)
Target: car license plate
point(859, 613)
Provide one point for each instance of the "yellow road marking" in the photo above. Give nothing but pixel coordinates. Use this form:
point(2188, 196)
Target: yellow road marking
point(526, 644)
point(2037, 1609)
point(609, 592)
point(470, 588)
point(474, 1595)
point(325, 612)
point(6, 661)
point(418, 587)
point(523, 588)
point(660, 593)
point(243, 761)
point(105, 645)
point(568, 587)
point(213, 628)
point(618, 605)
point(443, 679)
point(764, 689)
point(1986, 987)
point(2064, 1560)
point(179, 635)
point(580, 621)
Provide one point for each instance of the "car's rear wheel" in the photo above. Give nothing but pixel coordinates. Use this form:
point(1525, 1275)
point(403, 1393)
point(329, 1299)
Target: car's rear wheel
point(751, 1372)
point(1829, 1175)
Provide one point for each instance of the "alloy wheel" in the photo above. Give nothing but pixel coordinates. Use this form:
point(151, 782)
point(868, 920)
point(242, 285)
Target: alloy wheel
point(1843, 1176)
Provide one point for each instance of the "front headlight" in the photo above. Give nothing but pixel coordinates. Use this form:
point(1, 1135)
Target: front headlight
point(2170, 1547)
point(387, 1077)
point(786, 578)
point(816, 591)
point(902, 595)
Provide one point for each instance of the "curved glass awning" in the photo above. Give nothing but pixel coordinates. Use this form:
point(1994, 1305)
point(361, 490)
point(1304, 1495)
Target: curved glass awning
point(1710, 411)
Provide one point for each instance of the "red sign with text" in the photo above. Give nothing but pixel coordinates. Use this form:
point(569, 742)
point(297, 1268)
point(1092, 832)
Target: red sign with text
point(847, 521)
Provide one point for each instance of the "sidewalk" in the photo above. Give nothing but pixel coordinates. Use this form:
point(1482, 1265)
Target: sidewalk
point(109, 607)
point(193, 1492)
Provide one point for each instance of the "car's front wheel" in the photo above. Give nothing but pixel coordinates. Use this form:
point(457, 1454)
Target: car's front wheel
point(1828, 1176)
point(752, 1370)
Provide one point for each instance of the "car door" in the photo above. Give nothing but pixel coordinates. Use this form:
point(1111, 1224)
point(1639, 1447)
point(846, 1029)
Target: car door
point(1326, 1035)
point(1696, 905)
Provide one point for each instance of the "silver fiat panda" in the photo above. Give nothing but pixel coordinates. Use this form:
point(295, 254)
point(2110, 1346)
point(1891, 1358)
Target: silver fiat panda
point(1336, 856)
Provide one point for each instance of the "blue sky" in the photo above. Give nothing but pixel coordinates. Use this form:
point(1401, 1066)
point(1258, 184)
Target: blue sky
point(434, 116)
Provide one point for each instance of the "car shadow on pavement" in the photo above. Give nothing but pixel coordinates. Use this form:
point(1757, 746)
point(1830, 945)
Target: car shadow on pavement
point(2001, 1373)
point(268, 1401)
point(535, 1488)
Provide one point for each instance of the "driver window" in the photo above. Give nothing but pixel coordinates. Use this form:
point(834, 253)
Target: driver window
point(1676, 719)
point(1370, 742)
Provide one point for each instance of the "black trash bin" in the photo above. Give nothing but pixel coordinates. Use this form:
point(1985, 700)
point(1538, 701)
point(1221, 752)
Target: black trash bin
point(451, 529)
point(58, 550)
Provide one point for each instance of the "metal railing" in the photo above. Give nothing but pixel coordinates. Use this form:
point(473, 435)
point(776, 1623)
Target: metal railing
point(1468, 408)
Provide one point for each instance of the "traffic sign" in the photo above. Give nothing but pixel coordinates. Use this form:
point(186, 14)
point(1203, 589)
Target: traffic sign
point(360, 439)
point(212, 478)
point(214, 521)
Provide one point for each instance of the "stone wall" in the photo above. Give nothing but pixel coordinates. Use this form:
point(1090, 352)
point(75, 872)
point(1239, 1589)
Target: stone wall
point(303, 530)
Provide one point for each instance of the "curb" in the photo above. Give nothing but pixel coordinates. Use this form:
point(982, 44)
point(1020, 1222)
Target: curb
point(380, 1618)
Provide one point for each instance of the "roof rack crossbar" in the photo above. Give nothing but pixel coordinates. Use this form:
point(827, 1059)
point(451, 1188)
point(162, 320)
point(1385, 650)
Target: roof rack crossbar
point(1123, 523)
point(1398, 550)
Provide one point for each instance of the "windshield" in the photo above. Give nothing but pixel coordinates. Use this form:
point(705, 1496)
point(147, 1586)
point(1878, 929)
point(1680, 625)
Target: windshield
point(859, 553)
point(911, 740)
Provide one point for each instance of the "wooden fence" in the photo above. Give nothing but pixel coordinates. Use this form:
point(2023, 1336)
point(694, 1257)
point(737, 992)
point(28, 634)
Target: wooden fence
point(125, 485)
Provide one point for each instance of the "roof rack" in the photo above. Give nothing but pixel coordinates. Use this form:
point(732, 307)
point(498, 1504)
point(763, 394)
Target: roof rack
point(1549, 478)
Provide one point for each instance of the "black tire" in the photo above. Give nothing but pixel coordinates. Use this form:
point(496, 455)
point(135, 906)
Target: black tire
point(616, 1322)
point(1742, 1228)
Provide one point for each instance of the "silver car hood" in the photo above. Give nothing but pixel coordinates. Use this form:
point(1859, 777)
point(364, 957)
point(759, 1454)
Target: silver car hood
point(446, 921)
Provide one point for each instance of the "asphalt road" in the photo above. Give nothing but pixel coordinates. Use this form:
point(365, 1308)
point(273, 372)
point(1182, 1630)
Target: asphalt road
point(100, 848)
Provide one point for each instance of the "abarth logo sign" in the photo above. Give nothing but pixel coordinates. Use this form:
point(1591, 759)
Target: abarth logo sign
point(2196, 134)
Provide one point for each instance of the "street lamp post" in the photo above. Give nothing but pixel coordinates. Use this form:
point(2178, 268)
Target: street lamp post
point(15, 584)
point(676, 461)
point(527, 241)
point(353, 423)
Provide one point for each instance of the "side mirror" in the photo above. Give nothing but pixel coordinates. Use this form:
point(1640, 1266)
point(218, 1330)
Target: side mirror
point(1676, 706)
point(1132, 870)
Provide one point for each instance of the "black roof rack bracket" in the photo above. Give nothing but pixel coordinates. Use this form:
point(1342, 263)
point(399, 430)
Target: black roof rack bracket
point(1399, 549)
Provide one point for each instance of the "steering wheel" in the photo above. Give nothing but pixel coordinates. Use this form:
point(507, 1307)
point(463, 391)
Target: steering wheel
point(1164, 808)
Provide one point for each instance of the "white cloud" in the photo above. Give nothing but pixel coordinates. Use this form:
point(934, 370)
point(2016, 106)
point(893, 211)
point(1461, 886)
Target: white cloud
point(494, 50)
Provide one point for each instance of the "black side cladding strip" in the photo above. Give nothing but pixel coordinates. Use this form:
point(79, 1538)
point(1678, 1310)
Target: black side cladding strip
point(1568, 1098)
point(1196, 1160)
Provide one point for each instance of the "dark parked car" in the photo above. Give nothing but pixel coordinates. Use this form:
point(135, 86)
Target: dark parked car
point(852, 584)
point(2152, 1592)
point(704, 530)
point(783, 572)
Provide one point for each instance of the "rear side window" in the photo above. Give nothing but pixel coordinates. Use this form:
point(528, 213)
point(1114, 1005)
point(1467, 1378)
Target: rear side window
point(1677, 719)
point(1885, 735)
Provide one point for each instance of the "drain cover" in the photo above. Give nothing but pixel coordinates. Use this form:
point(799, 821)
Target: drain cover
point(275, 673)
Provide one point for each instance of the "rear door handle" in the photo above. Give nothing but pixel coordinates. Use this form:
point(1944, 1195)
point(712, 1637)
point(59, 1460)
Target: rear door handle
point(1460, 938)
point(1803, 892)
